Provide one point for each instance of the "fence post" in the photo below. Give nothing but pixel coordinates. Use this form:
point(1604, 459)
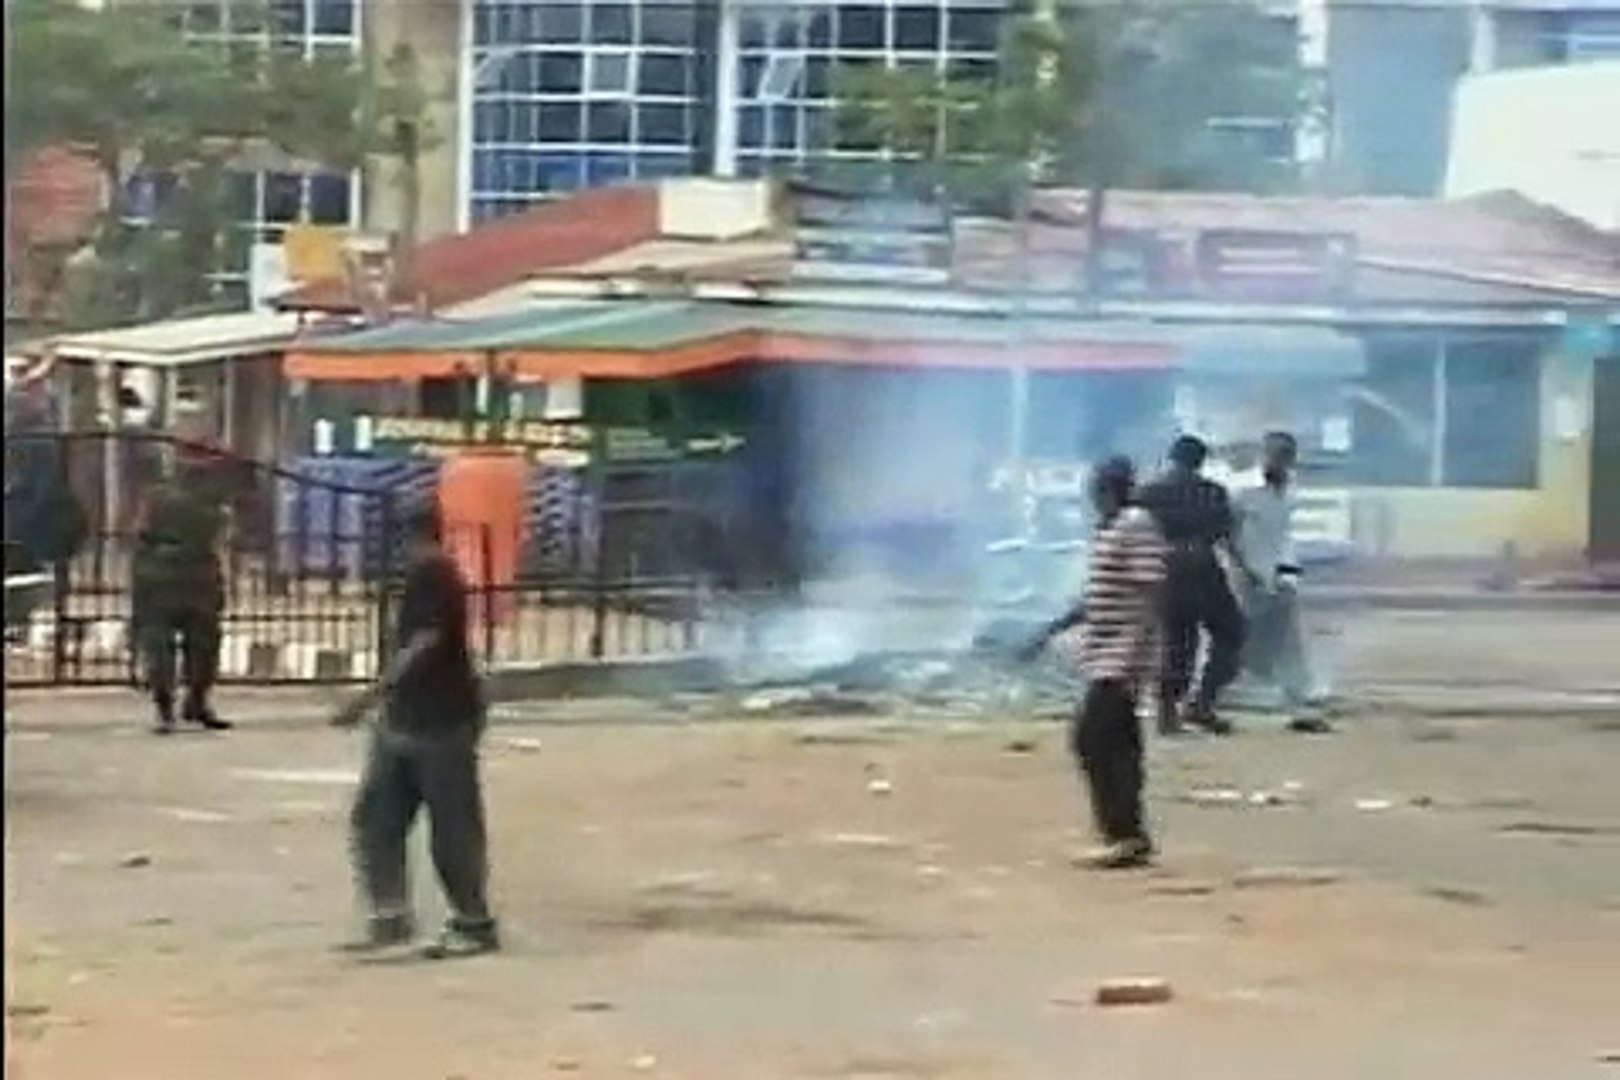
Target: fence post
point(487, 556)
point(61, 586)
point(383, 582)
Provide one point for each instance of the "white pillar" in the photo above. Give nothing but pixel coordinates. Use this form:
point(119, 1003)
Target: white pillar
point(1481, 40)
point(725, 89)
point(465, 82)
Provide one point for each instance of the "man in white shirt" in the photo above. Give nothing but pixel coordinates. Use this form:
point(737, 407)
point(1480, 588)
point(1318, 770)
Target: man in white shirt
point(1275, 650)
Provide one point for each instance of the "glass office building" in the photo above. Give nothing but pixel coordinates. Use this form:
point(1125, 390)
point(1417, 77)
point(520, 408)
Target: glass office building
point(264, 203)
point(566, 95)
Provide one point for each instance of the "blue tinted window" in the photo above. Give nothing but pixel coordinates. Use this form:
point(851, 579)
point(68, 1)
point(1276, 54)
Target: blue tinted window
point(653, 166)
point(334, 17)
point(329, 199)
point(607, 168)
point(560, 172)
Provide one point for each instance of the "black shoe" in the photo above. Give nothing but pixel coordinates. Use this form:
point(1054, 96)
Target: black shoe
point(205, 717)
point(382, 932)
point(1310, 725)
point(1205, 719)
point(462, 940)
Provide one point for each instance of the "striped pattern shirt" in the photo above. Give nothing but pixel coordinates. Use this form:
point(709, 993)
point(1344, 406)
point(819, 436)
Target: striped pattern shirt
point(1120, 636)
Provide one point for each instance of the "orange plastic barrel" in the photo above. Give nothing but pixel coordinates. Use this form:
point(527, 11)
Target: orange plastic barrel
point(482, 496)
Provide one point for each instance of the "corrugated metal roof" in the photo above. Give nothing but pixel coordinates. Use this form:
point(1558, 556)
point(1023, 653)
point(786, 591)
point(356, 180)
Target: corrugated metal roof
point(177, 342)
point(650, 325)
point(497, 254)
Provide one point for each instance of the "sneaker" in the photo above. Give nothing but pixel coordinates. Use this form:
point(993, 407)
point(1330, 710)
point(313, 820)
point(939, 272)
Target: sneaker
point(461, 941)
point(382, 932)
point(164, 724)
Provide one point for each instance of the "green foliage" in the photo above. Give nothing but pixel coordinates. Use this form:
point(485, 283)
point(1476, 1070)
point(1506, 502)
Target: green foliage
point(1105, 94)
point(127, 88)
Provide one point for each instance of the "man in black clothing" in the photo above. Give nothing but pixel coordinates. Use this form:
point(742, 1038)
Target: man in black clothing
point(424, 751)
point(1195, 516)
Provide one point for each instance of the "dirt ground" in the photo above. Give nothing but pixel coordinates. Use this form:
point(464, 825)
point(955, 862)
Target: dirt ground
point(1433, 892)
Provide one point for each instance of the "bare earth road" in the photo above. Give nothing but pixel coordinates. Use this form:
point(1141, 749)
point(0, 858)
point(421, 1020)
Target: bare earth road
point(1437, 894)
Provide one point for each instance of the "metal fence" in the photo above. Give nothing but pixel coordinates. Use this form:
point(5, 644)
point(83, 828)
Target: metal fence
point(312, 573)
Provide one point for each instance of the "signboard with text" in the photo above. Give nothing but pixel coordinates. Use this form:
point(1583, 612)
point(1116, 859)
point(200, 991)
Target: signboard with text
point(571, 445)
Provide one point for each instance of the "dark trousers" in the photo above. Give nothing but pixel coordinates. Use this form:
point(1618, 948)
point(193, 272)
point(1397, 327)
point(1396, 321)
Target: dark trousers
point(1106, 738)
point(403, 774)
point(191, 636)
point(1198, 600)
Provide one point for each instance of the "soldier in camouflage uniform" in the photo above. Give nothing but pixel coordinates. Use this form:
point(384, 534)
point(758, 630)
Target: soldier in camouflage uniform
point(179, 596)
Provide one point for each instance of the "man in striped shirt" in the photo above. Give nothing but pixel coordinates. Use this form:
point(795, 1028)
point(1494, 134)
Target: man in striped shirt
point(1116, 648)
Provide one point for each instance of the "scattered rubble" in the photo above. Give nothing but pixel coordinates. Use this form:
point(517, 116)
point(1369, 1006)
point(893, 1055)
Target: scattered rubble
point(1134, 992)
point(1559, 828)
point(1282, 877)
point(1454, 895)
point(1182, 888)
point(593, 1005)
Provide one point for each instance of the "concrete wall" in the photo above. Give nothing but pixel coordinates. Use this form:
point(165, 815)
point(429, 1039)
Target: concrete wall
point(433, 31)
point(1550, 521)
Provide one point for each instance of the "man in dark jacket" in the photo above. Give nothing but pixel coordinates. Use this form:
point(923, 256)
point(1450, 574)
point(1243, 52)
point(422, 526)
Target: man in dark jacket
point(424, 752)
point(1195, 516)
point(179, 597)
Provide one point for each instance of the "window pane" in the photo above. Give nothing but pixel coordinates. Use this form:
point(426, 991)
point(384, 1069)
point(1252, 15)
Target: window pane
point(975, 31)
point(917, 28)
point(560, 172)
point(818, 75)
point(610, 73)
point(653, 166)
point(612, 24)
point(782, 127)
point(287, 18)
point(562, 73)
point(662, 24)
point(861, 28)
point(560, 121)
point(1493, 413)
point(609, 121)
point(1392, 421)
point(661, 124)
point(283, 197)
point(818, 31)
point(754, 32)
point(607, 168)
point(527, 27)
point(561, 23)
point(525, 124)
point(662, 75)
point(484, 121)
point(750, 126)
point(334, 16)
point(329, 199)
point(483, 170)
